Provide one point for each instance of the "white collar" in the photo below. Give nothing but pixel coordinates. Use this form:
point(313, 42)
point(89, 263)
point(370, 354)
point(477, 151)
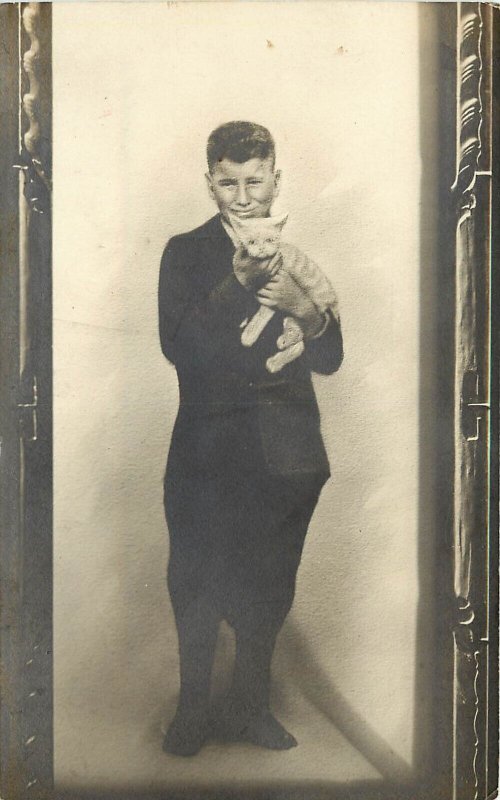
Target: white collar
point(231, 233)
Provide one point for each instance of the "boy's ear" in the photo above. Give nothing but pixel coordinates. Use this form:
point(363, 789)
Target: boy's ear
point(277, 182)
point(210, 184)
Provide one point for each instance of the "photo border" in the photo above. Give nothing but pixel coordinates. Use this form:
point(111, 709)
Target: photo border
point(466, 675)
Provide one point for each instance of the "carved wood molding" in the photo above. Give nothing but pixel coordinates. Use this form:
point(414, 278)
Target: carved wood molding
point(31, 21)
point(471, 191)
point(35, 155)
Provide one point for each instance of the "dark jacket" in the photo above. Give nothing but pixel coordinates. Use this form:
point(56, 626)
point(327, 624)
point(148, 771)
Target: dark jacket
point(233, 414)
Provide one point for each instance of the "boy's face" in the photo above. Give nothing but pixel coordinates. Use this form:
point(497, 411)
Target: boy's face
point(247, 189)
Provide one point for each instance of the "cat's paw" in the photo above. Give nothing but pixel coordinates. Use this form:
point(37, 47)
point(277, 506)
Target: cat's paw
point(292, 334)
point(280, 359)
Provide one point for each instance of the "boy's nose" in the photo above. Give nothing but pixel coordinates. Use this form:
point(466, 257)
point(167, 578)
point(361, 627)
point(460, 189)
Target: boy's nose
point(242, 197)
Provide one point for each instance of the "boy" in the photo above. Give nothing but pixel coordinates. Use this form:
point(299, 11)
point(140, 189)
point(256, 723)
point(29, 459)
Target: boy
point(247, 462)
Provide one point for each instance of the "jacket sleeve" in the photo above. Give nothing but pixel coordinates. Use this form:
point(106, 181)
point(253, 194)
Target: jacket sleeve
point(193, 324)
point(325, 353)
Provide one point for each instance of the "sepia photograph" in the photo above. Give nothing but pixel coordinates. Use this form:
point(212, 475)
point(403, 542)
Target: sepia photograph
point(248, 538)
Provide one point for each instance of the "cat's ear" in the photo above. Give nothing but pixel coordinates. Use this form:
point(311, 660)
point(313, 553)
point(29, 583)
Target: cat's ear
point(280, 220)
point(236, 223)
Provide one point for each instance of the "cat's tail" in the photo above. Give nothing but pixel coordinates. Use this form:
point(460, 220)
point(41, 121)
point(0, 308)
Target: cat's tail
point(256, 325)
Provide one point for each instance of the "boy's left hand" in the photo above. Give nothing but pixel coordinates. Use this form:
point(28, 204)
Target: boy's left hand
point(283, 293)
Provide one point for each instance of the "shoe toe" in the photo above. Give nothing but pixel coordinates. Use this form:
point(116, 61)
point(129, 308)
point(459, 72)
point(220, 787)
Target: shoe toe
point(185, 739)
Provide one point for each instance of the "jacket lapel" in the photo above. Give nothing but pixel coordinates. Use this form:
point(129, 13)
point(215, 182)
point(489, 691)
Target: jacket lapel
point(217, 249)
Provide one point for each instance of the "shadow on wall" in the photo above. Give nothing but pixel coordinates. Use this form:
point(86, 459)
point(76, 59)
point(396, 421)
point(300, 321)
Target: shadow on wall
point(432, 744)
point(314, 682)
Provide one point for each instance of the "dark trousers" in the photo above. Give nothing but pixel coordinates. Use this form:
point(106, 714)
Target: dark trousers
point(234, 558)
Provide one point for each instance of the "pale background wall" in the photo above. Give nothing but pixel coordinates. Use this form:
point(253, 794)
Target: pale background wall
point(137, 88)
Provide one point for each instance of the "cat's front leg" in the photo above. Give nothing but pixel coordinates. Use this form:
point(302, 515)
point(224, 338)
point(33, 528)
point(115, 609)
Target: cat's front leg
point(256, 325)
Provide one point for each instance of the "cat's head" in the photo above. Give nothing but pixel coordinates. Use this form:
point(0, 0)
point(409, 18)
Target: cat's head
point(260, 236)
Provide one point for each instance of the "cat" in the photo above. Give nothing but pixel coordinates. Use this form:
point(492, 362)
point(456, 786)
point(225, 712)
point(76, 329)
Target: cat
point(261, 239)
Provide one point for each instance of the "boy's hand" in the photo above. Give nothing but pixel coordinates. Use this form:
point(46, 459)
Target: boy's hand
point(284, 293)
point(251, 271)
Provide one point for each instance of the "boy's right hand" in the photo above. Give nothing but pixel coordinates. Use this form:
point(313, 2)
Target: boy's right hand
point(254, 272)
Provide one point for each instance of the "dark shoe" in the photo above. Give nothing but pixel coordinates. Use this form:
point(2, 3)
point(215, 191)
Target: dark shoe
point(263, 730)
point(266, 731)
point(186, 735)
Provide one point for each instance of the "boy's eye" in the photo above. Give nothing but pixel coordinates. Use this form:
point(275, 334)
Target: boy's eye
point(251, 241)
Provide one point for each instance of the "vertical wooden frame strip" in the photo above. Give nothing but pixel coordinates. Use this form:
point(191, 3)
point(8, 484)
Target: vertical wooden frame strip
point(26, 744)
point(10, 551)
point(472, 193)
point(36, 401)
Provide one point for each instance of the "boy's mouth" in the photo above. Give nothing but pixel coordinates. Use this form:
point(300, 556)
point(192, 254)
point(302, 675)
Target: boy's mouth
point(244, 213)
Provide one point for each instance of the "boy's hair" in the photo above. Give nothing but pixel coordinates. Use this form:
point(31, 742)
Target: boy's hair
point(239, 141)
